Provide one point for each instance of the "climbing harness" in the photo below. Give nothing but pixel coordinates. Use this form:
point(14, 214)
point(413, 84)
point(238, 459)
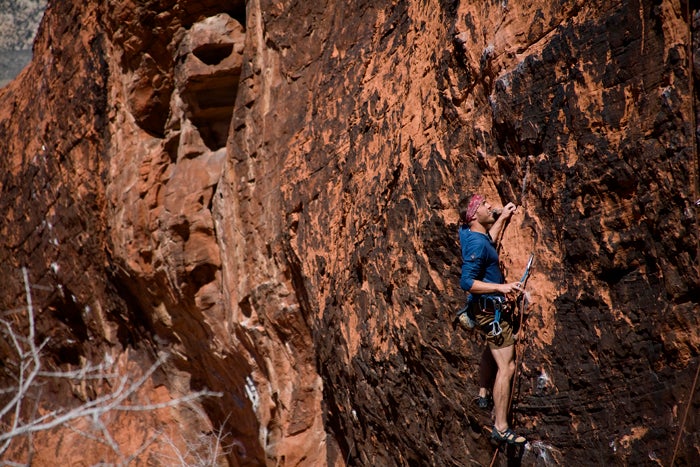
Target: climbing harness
point(498, 304)
point(495, 304)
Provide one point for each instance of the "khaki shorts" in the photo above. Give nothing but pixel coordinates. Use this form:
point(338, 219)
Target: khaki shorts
point(505, 338)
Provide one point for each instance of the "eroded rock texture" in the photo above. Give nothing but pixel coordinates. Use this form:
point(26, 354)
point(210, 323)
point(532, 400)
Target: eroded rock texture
point(266, 191)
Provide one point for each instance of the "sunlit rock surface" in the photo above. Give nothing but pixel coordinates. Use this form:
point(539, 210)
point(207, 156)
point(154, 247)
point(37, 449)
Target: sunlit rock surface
point(265, 192)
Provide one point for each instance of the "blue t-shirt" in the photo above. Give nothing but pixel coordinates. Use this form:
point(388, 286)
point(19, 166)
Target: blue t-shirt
point(479, 259)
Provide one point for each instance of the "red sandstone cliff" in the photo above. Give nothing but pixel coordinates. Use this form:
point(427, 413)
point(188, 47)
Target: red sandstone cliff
point(265, 193)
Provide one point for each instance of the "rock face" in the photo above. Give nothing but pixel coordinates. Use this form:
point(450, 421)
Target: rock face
point(265, 192)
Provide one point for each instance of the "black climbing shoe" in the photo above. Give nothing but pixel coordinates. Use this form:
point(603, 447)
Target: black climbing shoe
point(507, 436)
point(484, 403)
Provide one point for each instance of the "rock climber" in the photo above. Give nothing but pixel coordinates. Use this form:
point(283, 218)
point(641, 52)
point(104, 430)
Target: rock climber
point(488, 306)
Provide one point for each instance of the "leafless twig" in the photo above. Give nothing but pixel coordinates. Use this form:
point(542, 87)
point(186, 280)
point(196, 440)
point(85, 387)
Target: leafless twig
point(29, 370)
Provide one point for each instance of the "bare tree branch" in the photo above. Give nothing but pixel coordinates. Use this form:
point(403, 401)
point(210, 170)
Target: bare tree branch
point(29, 371)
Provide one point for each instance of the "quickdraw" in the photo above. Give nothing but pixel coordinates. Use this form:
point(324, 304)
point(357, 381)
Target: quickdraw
point(494, 304)
point(526, 274)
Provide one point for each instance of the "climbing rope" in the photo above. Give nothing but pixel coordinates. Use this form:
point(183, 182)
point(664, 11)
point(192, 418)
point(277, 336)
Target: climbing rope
point(518, 355)
point(691, 88)
point(685, 415)
point(516, 375)
point(522, 308)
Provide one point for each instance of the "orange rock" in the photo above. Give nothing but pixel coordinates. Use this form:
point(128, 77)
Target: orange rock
point(266, 191)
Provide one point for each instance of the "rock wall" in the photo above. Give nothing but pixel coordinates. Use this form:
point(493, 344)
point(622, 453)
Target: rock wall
point(266, 191)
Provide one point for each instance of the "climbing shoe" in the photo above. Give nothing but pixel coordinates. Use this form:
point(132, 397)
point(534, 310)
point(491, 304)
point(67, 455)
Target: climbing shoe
point(484, 403)
point(507, 436)
point(465, 320)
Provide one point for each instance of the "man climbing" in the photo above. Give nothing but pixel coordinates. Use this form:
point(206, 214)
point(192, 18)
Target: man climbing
point(482, 278)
